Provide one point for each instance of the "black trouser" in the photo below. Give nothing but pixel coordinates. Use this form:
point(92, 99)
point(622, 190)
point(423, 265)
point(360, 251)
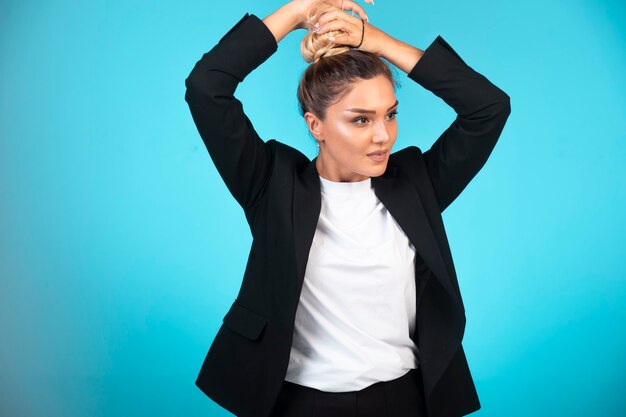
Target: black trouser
point(401, 397)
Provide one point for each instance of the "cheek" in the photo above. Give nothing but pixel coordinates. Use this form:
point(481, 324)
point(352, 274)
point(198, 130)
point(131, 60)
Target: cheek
point(357, 142)
point(343, 130)
point(393, 132)
point(347, 139)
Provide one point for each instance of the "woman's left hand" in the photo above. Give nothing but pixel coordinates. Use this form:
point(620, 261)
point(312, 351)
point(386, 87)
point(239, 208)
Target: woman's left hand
point(374, 39)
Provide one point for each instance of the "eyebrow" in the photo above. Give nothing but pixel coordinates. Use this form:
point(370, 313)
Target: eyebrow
point(357, 110)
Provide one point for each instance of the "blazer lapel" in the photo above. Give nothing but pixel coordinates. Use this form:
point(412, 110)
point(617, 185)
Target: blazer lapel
point(404, 203)
point(307, 205)
point(399, 197)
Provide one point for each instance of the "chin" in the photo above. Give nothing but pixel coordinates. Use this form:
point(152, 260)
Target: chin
point(378, 171)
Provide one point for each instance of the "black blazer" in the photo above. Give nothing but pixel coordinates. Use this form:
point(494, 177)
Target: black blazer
point(279, 190)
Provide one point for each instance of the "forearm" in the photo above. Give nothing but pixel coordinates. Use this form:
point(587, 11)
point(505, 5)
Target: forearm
point(443, 72)
point(482, 111)
point(402, 55)
point(241, 157)
point(282, 21)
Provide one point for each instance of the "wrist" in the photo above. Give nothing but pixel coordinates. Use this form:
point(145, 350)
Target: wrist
point(282, 21)
point(401, 54)
point(294, 13)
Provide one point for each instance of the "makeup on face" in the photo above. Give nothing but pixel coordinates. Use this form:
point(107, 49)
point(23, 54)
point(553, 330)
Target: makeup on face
point(358, 132)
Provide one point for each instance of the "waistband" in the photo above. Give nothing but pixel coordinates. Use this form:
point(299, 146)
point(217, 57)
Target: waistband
point(409, 377)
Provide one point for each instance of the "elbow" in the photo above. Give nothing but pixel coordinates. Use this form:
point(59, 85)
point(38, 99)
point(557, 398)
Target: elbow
point(212, 85)
point(191, 84)
point(503, 112)
point(507, 104)
point(198, 88)
point(504, 107)
point(198, 80)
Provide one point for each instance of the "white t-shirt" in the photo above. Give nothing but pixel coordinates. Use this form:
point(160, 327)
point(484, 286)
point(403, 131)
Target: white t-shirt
point(357, 306)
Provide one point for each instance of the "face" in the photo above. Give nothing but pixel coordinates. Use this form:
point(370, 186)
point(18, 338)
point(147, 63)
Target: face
point(362, 122)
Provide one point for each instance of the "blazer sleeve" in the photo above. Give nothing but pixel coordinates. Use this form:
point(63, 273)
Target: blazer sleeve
point(482, 110)
point(241, 157)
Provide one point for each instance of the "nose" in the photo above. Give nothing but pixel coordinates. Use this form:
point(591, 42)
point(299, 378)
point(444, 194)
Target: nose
point(381, 135)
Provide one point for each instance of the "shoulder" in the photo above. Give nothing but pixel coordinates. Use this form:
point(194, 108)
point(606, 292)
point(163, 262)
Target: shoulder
point(410, 164)
point(287, 162)
point(287, 155)
point(406, 156)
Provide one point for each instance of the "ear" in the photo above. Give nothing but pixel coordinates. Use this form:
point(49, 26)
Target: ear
point(315, 125)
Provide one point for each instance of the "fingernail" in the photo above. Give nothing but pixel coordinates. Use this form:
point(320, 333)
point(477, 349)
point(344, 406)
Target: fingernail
point(331, 37)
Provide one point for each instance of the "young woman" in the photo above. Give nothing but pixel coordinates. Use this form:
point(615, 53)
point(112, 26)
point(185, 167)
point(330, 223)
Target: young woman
point(350, 304)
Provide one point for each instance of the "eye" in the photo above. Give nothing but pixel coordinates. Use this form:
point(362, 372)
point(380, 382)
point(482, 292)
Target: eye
point(393, 114)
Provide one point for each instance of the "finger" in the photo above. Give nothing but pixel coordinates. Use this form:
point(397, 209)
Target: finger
point(343, 39)
point(341, 25)
point(336, 14)
point(355, 7)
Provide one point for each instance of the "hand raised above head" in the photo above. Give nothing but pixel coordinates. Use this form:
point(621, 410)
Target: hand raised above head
point(351, 31)
point(307, 9)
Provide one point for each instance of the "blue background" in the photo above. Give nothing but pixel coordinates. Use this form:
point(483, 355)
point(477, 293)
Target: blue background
point(121, 248)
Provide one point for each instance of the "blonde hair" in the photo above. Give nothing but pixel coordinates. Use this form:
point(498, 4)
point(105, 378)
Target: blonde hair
point(314, 46)
point(333, 70)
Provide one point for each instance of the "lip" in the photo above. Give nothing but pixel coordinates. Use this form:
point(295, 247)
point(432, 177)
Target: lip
point(378, 156)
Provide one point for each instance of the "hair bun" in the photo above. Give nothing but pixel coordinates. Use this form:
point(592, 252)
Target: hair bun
point(315, 46)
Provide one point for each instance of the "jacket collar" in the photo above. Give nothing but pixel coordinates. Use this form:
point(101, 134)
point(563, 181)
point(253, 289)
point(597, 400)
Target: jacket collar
point(399, 197)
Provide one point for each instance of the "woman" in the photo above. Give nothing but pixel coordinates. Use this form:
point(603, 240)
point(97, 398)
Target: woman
point(349, 303)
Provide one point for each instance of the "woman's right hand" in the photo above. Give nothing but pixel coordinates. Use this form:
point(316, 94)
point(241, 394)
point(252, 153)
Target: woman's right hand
point(306, 8)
